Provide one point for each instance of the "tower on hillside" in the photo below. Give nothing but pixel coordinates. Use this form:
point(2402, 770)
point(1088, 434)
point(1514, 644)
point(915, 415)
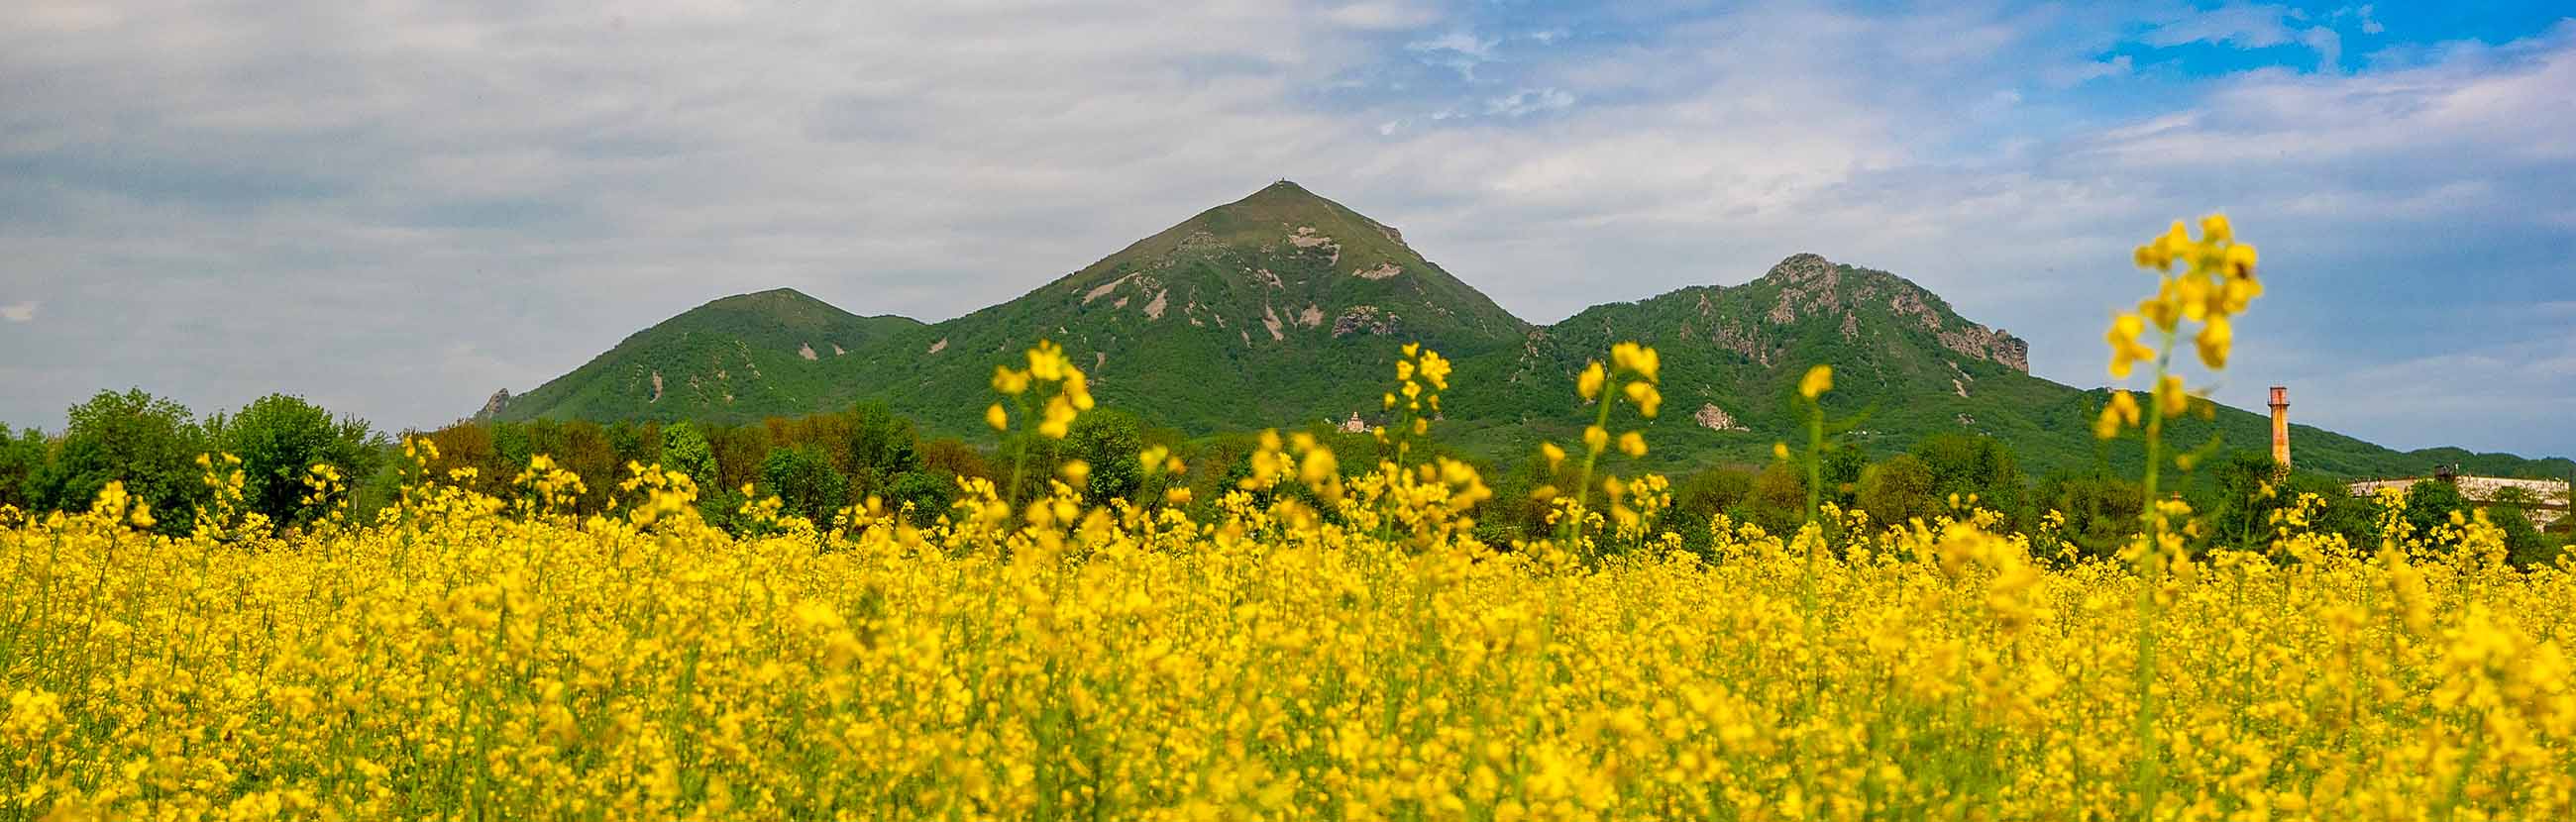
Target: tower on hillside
point(2281, 426)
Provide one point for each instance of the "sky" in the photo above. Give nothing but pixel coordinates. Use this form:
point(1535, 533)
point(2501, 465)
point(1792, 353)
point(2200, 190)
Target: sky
point(394, 208)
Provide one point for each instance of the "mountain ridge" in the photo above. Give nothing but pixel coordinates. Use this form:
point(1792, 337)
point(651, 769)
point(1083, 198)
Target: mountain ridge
point(1284, 308)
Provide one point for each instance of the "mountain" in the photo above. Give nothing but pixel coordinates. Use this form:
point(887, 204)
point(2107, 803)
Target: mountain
point(739, 357)
point(1282, 306)
point(1906, 365)
point(1286, 309)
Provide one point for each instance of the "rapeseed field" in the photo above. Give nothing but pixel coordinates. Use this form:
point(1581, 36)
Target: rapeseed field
point(1322, 642)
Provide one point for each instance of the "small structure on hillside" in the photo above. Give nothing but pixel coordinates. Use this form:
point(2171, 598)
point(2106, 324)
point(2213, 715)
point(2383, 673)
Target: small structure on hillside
point(2543, 501)
point(1354, 425)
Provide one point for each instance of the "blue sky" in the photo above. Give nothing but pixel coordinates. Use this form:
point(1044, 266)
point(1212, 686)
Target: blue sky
point(396, 208)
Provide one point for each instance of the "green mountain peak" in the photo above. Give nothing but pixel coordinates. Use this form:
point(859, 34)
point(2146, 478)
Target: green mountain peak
point(1285, 308)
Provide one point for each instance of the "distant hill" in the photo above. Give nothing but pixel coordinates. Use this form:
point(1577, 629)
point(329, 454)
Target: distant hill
point(1285, 308)
point(744, 356)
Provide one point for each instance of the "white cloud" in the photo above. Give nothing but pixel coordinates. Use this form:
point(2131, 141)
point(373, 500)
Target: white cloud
point(19, 312)
point(1529, 101)
point(2242, 25)
point(1460, 42)
point(1383, 16)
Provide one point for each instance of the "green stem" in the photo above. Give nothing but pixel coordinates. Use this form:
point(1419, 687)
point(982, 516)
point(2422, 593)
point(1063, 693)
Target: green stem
point(1815, 459)
point(2150, 581)
point(1591, 454)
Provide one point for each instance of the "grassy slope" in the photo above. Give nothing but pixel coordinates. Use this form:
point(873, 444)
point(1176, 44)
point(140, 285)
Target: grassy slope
point(733, 358)
point(1207, 359)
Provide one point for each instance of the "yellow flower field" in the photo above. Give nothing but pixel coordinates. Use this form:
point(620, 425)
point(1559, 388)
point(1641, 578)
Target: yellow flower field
point(459, 660)
point(1319, 643)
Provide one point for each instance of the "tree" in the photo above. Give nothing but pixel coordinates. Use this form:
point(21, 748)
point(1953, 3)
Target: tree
point(1899, 489)
point(23, 458)
point(952, 457)
point(2524, 545)
point(2101, 509)
point(2243, 498)
point(881, 445)
point(685, 449)
point(148, 443)
point(1974, 465)
point(1703, 495)
point(1778, 501)
point(1108, 441)
point(803, 481)
point(927, 492)
point(2429, 504)
point(279, 439)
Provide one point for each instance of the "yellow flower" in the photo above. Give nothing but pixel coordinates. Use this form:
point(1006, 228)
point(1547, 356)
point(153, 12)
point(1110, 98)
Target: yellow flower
point(2160, 309)
point(1780, 451)
point(2215, 340)
point(1555, 456)
point(2171, 397)
point(1647, 399)
point(1589, 385)
point(1058, 419)
point(1077, 389)
point(1819, 380)
point(996, 417)
point(1632, 444)
point(1008, 381)
point(1633, 358)
point(1436, 370)
point(1595, 438)
point(2126, 351)
point(2214, 229)
point(2121, 410)
point(1046, 361)
point(2233, 297)
point(1075, 472)
point(2239, 261)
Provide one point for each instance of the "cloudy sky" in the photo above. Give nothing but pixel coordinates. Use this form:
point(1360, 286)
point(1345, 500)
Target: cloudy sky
point(395, 207)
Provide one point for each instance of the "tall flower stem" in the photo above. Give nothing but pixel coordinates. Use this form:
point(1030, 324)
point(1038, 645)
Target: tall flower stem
point(1591, 455)
point(2150, 569)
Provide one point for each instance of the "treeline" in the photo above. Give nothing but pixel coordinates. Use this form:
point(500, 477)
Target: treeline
point(821, 463)
point(153, 446)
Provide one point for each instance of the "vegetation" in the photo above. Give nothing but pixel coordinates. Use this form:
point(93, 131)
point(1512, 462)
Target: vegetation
point(828, 616)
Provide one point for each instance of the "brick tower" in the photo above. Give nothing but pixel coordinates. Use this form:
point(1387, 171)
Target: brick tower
point(2281, 426)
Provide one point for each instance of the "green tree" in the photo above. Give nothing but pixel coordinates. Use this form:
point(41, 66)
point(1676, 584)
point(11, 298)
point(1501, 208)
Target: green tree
point(1899, 489)
point(2525, 546)
point(929, 494)
point(882, 445)
point(1108, 441)
point(1700, 497)
point(2243, 497)
point(279, 439)
point(685, 449)
point(1978, 466)
point(2429, 504)
point(23, 458)
point(148, 443)
point(805, 484)
point(2101, 509)
point(1778, 499)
